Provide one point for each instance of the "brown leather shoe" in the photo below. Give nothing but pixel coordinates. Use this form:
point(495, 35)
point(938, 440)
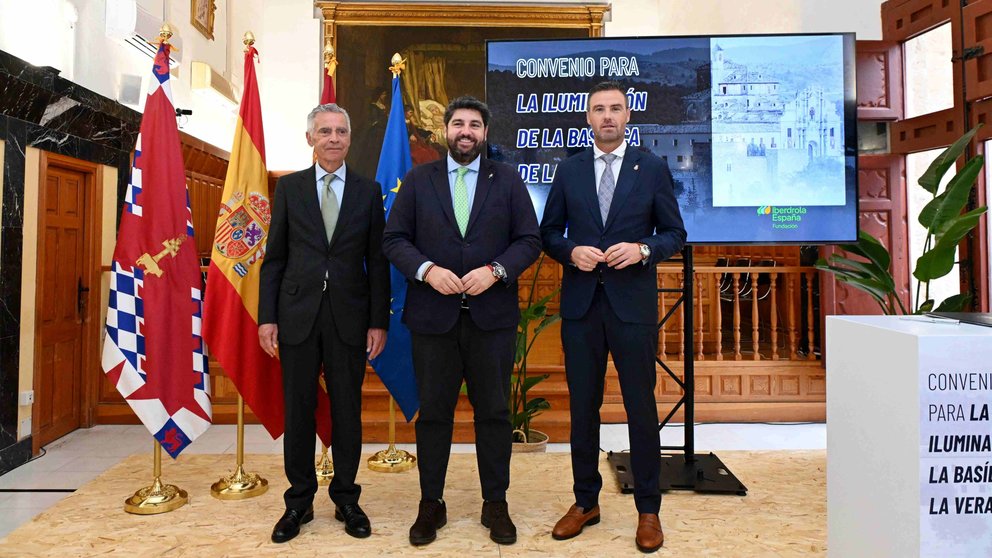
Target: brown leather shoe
point(650, 537)
point(571, 523)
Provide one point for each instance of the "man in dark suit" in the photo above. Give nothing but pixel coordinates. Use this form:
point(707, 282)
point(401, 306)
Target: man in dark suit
point(324, 302)
point(610, 217)
point(462, 230)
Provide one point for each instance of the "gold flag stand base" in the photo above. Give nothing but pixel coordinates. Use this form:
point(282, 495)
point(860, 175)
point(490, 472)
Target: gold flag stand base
point(239, 485)
point(392, 460)
point(325, 467)
point(157, 498)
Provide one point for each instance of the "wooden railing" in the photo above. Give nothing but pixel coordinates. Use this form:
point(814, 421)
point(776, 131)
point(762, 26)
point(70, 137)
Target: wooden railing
point(743, 313)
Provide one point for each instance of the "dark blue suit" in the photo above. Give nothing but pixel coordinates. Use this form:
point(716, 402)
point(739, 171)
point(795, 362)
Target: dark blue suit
point(451, 344)
point(612, 310)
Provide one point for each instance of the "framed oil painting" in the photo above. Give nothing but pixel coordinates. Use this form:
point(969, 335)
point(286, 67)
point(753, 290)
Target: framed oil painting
point(445, 50)
point(201, 15)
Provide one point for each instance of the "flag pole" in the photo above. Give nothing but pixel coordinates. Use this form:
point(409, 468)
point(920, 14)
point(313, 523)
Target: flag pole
point(239, 484)
point(157, 498)
point(324, 466)
point(391, 459)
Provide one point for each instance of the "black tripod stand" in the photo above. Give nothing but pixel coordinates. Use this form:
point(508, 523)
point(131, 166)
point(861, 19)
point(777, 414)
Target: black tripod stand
point(685, 469)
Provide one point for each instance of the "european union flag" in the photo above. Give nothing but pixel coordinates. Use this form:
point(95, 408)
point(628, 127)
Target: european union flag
point(395, 365)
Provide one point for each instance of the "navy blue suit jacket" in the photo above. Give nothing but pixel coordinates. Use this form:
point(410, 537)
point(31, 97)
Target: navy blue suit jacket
point(502, 227)
point(643, 210)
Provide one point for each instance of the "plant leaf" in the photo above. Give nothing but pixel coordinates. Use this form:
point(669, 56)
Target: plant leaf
point(869, 269)
point(869, 248)
point(521, 348)
point(536, 405)
point(532, 381)
point(939, 260)
point(930, 179)
point(547, 322)
point(873, 289)
point(956, 195)
point(926, 306)
point(930, 209)
point(954, 303)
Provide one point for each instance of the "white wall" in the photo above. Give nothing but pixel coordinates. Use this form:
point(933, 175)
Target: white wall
point(70, 35)
point(289, 80)
point(710, 17)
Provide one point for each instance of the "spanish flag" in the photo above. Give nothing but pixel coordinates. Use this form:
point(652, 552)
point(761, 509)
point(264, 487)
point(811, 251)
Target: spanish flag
point(230, 316)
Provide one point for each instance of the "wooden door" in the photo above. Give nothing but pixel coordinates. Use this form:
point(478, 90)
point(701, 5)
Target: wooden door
point(61, 303)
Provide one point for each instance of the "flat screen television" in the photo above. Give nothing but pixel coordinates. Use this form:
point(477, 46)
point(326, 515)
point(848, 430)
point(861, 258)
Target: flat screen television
point(758, 130)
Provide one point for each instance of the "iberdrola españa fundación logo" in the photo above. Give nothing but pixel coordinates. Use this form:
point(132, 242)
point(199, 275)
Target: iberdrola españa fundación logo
point(765, 210)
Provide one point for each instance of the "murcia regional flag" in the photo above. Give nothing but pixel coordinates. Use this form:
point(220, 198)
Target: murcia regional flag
point(153, 352)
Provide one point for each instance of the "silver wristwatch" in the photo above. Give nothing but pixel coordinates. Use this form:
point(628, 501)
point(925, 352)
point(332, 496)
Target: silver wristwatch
point(499, 271)
point(645, 251)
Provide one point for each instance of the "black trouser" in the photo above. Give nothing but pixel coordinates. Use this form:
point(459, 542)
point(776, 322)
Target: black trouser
point(344, 372)
point(484, 359)
point(586, 342)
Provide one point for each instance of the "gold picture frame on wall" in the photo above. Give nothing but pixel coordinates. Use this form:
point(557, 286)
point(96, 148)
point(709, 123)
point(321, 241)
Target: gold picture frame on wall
point(201, 15)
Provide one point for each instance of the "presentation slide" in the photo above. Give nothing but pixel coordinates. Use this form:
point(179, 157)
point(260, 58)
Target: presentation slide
point(758, 131)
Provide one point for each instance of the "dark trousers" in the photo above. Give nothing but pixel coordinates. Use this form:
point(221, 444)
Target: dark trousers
point(484, 359)
point(586, 342)
point(344, 372)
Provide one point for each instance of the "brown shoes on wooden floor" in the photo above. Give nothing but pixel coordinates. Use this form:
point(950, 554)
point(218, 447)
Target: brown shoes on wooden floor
point(571, 523)
point(649, 537)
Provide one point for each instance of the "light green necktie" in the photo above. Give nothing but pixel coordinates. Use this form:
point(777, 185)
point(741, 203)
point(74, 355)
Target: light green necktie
point(329, 207)
point(461, 200)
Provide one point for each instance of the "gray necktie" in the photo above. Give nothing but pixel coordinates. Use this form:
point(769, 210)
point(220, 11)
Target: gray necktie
point(607, 184)
point(329, 207)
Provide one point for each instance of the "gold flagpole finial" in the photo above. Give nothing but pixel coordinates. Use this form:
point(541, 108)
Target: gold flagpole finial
point(164, 34)
point(248, 40)
point(330, 62)
point(399, 64)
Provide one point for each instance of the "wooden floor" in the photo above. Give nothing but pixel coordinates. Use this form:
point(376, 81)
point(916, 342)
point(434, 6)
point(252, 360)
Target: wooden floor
point(784, 513)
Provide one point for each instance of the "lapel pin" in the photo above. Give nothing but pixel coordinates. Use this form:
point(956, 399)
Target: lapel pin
point(490, 175)
point(636, 167)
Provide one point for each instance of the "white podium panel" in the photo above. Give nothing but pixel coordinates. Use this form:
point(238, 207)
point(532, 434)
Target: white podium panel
point(909, 438)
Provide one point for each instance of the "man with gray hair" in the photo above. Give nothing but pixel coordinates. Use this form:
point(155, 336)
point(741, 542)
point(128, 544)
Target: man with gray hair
point(324, 303)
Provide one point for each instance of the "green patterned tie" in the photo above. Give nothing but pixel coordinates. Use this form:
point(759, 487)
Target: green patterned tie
point(461, 200)
point(329, 207)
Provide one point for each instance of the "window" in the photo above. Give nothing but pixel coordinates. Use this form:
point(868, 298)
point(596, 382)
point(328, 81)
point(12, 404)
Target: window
point(929, 75)
point(680, 158)
point(675, 142)
point(654, 143)
point(916, 199)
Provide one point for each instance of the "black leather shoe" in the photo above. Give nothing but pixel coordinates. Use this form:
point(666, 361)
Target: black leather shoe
point(288, 525)
point(496, 517)
point(356, 523)
point(433, 515)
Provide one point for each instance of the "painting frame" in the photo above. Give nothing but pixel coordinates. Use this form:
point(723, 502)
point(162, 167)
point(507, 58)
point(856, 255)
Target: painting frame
point(201, 16)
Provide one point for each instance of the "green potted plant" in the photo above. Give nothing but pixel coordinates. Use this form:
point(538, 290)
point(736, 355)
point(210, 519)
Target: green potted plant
point(522, 408)
point(946, 227)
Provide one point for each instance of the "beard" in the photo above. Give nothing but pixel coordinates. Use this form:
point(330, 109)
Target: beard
point(463, 157)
